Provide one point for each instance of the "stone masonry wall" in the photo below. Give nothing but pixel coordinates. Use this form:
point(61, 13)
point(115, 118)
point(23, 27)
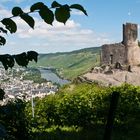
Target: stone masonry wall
point(130, 34)
point(127, 52)
point(116, 52)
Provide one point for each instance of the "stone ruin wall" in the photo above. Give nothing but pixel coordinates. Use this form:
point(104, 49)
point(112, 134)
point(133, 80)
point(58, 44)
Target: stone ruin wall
point(127, 52)
point(133, 55)
point(130, 35)
point(116, 52)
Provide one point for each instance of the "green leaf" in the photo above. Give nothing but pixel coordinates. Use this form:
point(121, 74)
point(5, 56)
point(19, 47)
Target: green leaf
point(28, 19)
point(3, 30)
point(2, 93)
point(21, 59)
point(47, 15)
point(7, 61)
point(79, 7)
point(2, 40)
point(32, 55)
point(55, 4)
point(10, 25)
point(62, 14)
point(10, 60)
point(16, 11)
point(36, 6)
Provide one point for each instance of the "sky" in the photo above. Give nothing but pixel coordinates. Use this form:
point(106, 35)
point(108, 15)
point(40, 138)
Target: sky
point(103, 25)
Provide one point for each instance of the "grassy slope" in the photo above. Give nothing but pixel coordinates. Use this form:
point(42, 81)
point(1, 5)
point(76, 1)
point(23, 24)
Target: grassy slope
point(71, 64)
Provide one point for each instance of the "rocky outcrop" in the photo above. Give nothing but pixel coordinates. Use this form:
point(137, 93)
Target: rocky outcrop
point(114, 78)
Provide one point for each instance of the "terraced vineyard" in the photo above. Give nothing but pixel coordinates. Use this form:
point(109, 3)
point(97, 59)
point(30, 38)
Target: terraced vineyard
point(70, 64)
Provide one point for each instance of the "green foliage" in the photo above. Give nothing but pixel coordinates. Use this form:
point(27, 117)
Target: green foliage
point(3, 30)
point(71, 64)
point(82, 105)
point(129, 104)
point(14, 121)
point(36, 6)
point(28, 19)
point(60, 12)
point(55, 4)
point(47, 15)
point(75, 109)
point(9, 25)
point(68, 133)
point(7, 61)
point(2, 40)
point(79, 7)
point(22, 59)
point(2, 93)
point(87, 105)
point(17, 11)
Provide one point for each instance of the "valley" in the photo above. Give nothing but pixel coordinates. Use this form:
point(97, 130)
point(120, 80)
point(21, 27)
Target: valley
point(69, 65)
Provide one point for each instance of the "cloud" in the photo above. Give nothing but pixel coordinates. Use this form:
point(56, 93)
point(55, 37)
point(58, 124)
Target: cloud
point(47, 38)
point(71, 34)
point(59, 37)
point(43, 29)
point(4, 12)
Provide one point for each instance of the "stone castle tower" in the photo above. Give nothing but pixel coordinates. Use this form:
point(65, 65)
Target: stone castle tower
point(130, 34)
point(126, 52)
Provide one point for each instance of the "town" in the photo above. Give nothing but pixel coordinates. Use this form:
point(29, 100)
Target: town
point(16, 87)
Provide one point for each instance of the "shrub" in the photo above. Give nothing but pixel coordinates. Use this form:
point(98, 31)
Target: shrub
point(86, 105)
point(13, 121)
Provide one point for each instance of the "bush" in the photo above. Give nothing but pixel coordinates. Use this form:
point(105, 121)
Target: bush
point(13, 122)
point(128, 110)
point(86, 105)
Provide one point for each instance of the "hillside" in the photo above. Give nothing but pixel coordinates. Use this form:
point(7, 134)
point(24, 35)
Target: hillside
point(70, 64)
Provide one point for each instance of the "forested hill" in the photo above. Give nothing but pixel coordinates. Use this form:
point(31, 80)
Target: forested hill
point(71, 64)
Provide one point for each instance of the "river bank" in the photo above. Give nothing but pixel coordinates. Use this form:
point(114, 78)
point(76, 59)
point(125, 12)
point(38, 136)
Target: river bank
point(51, 75)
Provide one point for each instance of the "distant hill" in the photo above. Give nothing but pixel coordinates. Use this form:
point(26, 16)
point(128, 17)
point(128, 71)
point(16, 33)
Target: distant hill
point(70, 64)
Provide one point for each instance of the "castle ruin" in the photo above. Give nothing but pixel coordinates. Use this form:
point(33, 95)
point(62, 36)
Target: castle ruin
point(127, 52)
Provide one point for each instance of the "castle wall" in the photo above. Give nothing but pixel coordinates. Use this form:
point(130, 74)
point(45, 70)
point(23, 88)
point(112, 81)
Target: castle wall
point(112, 53)
point(133, 55)
point(127, 52)
point(130, 35)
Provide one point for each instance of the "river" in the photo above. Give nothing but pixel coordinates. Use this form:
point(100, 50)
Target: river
point(51, 76)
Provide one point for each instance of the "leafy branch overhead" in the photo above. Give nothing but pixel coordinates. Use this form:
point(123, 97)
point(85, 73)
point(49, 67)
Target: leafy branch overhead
point(57, 11)
point(22, 59)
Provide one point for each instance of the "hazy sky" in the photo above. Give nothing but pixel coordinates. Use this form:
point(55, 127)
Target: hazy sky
point(103, 25)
